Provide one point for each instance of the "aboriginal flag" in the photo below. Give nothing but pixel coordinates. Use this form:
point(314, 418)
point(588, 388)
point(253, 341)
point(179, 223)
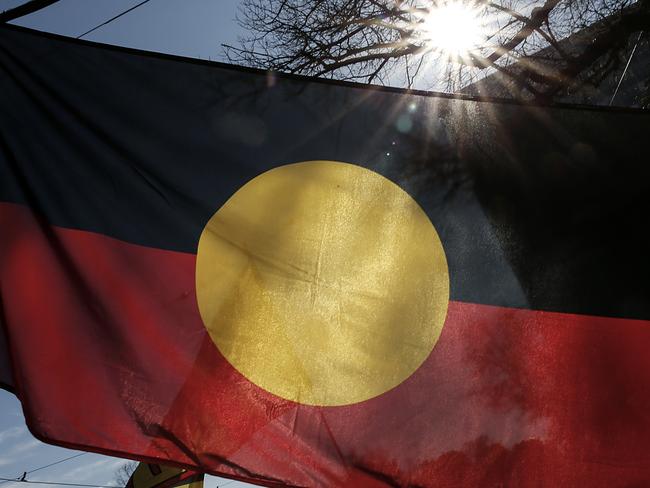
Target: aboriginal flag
point(309, 283)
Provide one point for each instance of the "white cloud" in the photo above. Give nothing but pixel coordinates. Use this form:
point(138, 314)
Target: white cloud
point(16, 449)
point(5, 462)
point(88, 471)
point(23, 447)
point(12, 433)
point(13, 485)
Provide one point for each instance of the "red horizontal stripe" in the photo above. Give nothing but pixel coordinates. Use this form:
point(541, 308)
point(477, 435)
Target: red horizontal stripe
point(109, 352)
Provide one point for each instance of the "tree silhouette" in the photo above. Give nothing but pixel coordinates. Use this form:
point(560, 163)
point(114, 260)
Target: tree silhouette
point(536, 49)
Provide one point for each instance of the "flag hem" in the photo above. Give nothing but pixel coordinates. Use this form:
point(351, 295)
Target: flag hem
point(326, 81)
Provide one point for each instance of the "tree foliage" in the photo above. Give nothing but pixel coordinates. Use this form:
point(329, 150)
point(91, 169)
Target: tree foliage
point(537, 48)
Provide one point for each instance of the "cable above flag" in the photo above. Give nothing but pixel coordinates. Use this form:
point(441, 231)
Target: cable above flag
point(309, 283)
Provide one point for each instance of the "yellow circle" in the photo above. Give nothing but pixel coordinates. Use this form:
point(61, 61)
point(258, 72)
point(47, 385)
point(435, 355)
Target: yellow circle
point(323, 283)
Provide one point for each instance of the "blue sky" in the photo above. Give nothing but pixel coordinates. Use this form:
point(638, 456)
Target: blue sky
point(193, 28)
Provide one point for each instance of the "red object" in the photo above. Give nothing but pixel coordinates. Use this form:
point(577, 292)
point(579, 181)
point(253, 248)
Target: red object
point(112, 161)
point(508, 396)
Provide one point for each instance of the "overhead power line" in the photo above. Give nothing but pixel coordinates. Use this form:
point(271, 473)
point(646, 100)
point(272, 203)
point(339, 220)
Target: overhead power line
point(626, 67)
point(112, 19)
point(6, 480)
point(58, 483)
point(57, 462)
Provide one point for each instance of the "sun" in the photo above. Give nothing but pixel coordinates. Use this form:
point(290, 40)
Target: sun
point(452, 27)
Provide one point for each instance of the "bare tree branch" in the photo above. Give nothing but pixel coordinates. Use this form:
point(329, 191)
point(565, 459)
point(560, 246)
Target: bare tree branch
point(535, 44)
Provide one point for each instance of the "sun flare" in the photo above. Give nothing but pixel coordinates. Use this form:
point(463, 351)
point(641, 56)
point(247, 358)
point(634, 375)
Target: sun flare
point(452, 27)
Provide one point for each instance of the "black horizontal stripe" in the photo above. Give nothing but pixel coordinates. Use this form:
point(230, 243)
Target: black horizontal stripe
point(537, 207)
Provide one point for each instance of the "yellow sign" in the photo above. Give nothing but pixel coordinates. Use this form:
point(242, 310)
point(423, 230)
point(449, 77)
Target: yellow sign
point(160, 476)
point(323, 283)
